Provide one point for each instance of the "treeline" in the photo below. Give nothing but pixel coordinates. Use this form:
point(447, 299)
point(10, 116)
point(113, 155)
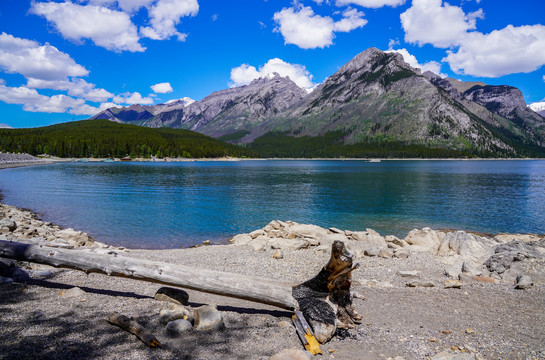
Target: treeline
point(104, 138)
point(329, 145)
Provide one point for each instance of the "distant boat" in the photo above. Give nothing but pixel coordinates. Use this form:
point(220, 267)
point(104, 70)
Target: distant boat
point(374, 160)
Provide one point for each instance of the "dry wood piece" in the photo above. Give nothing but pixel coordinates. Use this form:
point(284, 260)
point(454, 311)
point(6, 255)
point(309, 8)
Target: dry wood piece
point(325, 300)
point(134, 328)
point(251, 288)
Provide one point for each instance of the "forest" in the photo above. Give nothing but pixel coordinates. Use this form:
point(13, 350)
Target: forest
point(104, 139)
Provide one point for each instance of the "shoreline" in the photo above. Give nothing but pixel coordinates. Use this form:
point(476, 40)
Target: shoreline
point(487, 318)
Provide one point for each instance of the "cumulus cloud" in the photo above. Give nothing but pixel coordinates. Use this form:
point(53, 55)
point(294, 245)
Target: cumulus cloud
point(75, 87)
point(437, 23)
point(125, 5)
point(165, 15)
point(108, 28)
point(501, 52)
point(132, 99)
point(302, 27)
point(5, 126)
point(433, 66)
point(371, 3)
point(30, 59)
point(244, 74)
point(35, 102)
point(162, 88)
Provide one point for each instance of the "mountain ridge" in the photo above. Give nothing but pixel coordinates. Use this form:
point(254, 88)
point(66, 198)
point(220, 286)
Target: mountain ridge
point(375, 97)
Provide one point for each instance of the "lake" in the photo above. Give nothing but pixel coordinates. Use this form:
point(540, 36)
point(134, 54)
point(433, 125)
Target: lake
point(174, 204)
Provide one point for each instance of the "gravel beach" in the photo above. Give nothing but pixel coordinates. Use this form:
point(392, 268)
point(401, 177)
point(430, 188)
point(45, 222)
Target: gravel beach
point(40, 319)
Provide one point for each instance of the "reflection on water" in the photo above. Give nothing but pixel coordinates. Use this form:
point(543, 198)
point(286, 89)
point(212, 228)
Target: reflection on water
point(165, 205)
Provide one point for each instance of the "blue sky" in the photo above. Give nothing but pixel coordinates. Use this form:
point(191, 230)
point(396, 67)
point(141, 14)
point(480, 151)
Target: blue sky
point(65, 60)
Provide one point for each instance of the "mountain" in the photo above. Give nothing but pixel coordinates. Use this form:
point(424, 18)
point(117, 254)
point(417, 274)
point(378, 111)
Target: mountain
point(377, 97)
point(376, 102)
point(223, 112)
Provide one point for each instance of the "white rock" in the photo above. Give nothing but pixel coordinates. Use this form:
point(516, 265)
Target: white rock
point(241, 239)
point(425, 239)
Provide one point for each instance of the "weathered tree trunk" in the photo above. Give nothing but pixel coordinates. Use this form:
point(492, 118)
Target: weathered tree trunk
point(244, 287)
point(324, 300)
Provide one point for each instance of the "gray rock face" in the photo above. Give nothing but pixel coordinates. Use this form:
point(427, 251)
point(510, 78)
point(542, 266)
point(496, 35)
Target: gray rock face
point(179, 326)
point(207, 317)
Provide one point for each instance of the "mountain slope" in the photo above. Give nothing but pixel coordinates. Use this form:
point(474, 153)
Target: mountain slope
point(379, 97)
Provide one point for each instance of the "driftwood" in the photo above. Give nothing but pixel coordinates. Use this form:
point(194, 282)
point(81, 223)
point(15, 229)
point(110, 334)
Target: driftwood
point(134, 328)
point(325, 300)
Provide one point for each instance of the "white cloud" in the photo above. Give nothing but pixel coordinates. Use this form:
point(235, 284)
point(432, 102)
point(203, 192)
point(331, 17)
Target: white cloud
point(437, 23)
point(244, 74)
point(165, 15)
point(162, 88)
point(537, 106)
point(307, 30)
point(75, 87)
point(371, 3)
point(108, 28)
point(31, 59)
point(125, 5)
point(35, 102)
point(133, 98)
point(352, 19)
point(433, 66)
point(501, 52)
point(5, 126)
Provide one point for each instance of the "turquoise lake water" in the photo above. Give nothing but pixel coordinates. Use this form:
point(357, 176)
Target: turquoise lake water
point(168, 205)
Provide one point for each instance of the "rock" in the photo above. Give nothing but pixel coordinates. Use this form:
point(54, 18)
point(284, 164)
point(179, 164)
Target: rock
point(289, 244)
point(425, 239)
point(524, 282)
point(420, 284)
point(73, 292)
point(453, 271)
point(371, 252)
point(7, 225)
point(179, 326)
point(453, 284)
point(386, 253)
point(370, 237)
point(284, 324)
point(472, 248)
point(259, 244)
point(291, 354)
point(6, 263)
point(254, 234)
point(409, 274)
point(278, 254)
point(334, 230)
point(206, 242)
point(401, 254)
point(175, 312)
point(207, 317)
point(470, 268)
point(77, 238)
point(16, 274)
point(173, 295)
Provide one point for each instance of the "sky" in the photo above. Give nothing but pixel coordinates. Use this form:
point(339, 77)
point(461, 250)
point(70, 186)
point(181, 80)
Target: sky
point(67, 60)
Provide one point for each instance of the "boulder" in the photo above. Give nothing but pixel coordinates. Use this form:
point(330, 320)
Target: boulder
point(401, 254)
point(6, 263)
point(453, 284)
point(289, 244)
point(179, 326)
point(77, 238)
point(73, 292)
point(409, 274)
point(259, 244)
point(207, 317)
point(524, 282)
point(453, 271)
point(173, 295)
point(7, 225)
point(371, 252)
point(446, 355)
point(420, 284)
point(425, 239)
point(472, 248)
point(370, 238)
point(386, 253)
point(175, 312)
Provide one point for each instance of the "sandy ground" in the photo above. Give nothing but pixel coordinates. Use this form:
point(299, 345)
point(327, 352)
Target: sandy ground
point(494, 321)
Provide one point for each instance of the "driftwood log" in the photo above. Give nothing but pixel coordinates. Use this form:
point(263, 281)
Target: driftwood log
point(134, 328)
point(324, 300)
